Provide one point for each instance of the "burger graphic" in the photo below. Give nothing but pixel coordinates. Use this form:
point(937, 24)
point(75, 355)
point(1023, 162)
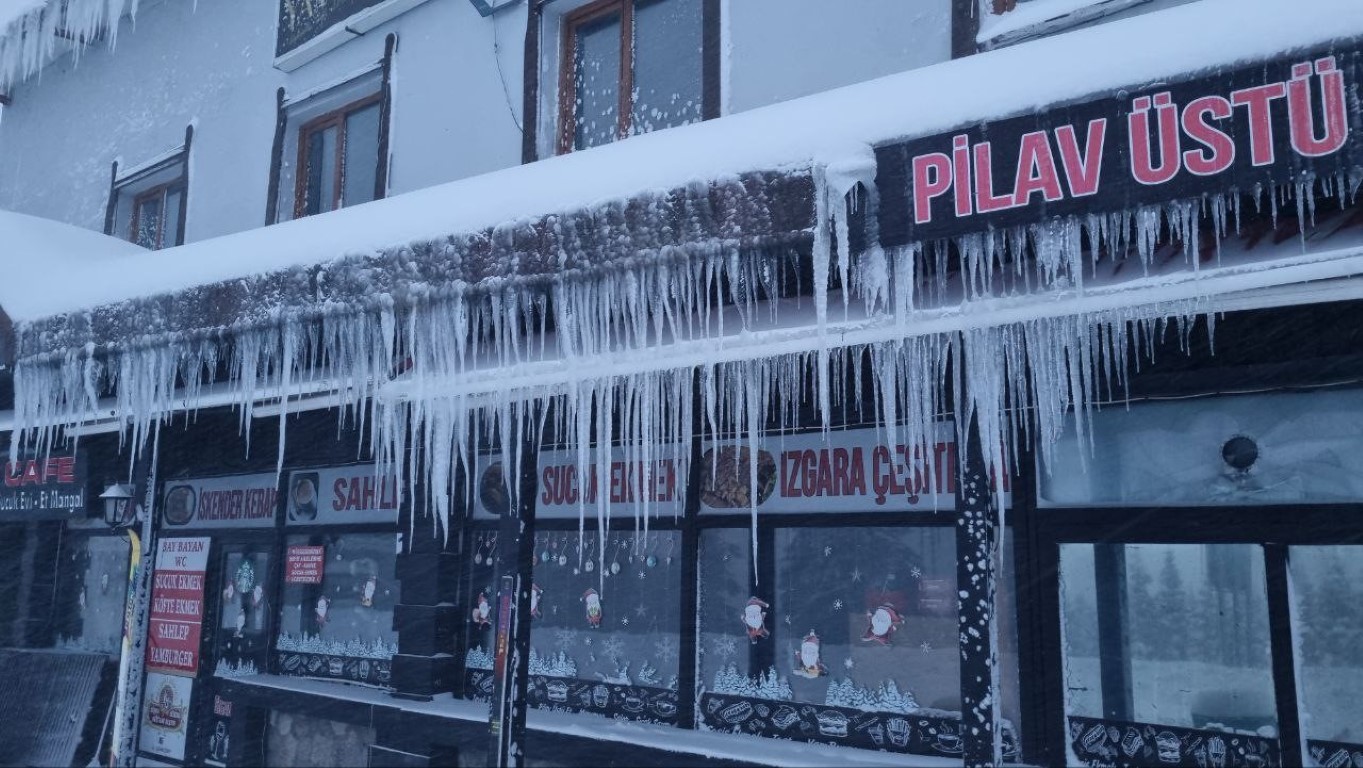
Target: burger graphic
point(832, 723)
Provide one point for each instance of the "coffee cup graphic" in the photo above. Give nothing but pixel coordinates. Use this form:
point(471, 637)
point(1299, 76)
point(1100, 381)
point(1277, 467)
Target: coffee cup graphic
point(303, 497)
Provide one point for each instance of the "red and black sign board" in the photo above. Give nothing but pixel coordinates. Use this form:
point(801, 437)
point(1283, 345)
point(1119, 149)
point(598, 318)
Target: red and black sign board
point(44, 488)
point(1264, 125)
point(175, 623)
point(304, 565)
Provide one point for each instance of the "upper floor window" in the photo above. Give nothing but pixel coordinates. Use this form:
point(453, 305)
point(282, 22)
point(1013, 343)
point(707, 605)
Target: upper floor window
point(338, 158)
point(156, 217)
point(147, 204)
point(331, 148)
point(629, 67)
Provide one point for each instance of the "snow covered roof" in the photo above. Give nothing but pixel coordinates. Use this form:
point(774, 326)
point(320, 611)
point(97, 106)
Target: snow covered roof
point(835, 129)
point(43, 256)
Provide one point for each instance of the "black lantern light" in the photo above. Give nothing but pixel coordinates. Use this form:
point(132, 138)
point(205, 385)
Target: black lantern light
point(118, 506)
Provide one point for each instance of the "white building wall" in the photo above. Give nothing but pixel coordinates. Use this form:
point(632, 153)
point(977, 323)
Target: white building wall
point(212, 62)
point(783, 49)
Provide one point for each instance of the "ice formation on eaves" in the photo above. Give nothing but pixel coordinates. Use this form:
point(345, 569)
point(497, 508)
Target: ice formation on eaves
point(32, 32)
point(634, 353)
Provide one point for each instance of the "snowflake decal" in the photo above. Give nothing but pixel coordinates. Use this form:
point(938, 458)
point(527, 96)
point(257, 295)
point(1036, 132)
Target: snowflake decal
point(856, 575)
point(848, 663)
point(665, 649)
point(925, 646)
point(624, 621)
point(564, 638)
point(613, 647)
point(916, 572)
point(587, 640)
point(837, 604)
point(827, 551)
point(642, 575)
point(724, 646)
point(641, 610)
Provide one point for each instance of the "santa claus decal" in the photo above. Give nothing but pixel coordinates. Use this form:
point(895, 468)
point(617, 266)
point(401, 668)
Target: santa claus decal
point(593, 601)
point(881, 623)
point(807, 661)
point(482, 612)
point(755, 619)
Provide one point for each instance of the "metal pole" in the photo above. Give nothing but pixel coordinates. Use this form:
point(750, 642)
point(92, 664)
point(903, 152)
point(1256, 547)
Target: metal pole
point(976, 552)
point(515, 568)
point(132, 659)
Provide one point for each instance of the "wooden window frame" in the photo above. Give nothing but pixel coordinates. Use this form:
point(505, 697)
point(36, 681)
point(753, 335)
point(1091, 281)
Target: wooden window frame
point(336, 117)
point(567, 87)
point(163, 192)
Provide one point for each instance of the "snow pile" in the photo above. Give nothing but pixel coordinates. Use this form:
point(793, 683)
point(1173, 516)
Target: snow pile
point(33, 32)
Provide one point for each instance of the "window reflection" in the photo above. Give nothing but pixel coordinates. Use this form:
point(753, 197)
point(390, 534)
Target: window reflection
point(1173, 635)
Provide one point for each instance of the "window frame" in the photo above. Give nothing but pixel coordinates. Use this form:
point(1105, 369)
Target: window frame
point(567, 87)
point(163, 192)
point(336, 117)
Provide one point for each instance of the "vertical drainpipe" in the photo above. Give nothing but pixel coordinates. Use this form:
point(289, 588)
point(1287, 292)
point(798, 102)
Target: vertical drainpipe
point(965, 24)
point(530, 90)
point(132, 660)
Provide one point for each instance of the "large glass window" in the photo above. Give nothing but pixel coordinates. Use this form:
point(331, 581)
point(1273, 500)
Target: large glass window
point(246, 591)
point(92, 587)
point(1328, 582)
point(1245, 450)
point(605, 630)
point(851, 639)
point(1170, 635)
point(631, 66)
point(337, 617)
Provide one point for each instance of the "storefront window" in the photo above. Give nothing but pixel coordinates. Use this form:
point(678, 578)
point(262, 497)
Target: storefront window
point(725, 581)
point(337, 617)
point(1328, 582)
point(1168, 635)
point(1246, 450)
point(605, 633)
point(93, 585)
point(854, 643)
point(244, 615)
